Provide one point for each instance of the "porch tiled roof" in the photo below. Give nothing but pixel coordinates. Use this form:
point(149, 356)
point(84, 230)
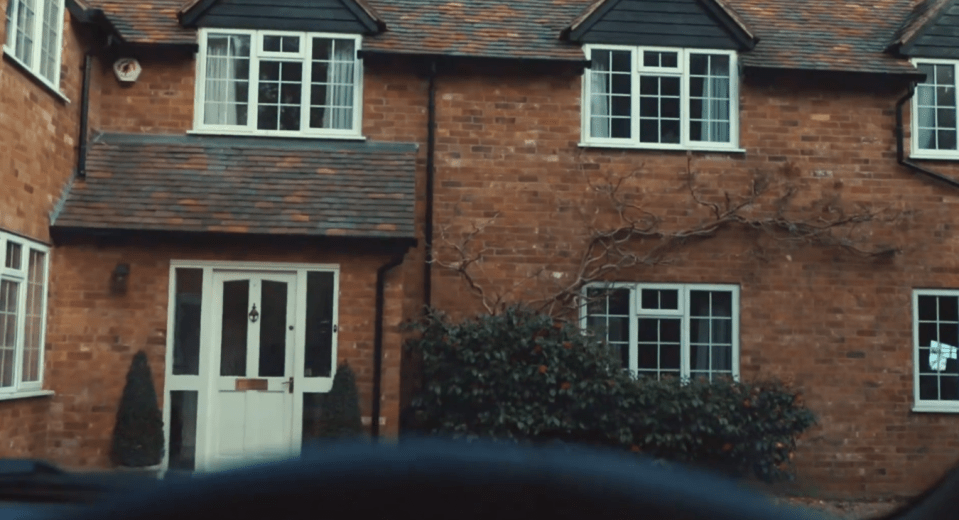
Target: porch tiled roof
point(245, 185)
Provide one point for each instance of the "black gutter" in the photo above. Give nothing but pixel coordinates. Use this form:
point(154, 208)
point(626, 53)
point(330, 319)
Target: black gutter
point(430, 176)
point(378, 343)
point(900, 148)
point(84, 116)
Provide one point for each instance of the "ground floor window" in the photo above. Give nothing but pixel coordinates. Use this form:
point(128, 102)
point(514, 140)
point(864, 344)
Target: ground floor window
point(668, 330)
point(936, 337)
point(23, 283)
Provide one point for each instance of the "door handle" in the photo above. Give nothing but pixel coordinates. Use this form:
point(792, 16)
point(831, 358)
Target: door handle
point(289, 382)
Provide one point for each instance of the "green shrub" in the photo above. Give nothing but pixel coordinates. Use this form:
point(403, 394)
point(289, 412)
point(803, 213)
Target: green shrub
point(738, 428)
point(138, 434)
point(522, 377)
point(339, 414)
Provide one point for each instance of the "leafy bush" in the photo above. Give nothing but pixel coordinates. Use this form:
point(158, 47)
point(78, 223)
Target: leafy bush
point(522, 377)
point(340, 408)
point(739, 428)
point(138, 434)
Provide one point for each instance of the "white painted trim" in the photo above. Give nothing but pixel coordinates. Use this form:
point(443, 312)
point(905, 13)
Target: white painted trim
point(204, 383)
point(914, 151)
point(37, 33)
point(26, 395)
point(683, 313)
point(21, 276)
point(928, 405)
point(304, 56)
point(681, 71)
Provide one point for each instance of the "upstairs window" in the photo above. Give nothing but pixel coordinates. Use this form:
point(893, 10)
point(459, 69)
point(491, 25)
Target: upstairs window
point(278, 83)
point(34, 32)
point(668, 330)
point(934, 111)
point(661, 98)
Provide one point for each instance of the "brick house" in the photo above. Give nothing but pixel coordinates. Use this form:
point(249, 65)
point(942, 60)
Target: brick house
point(146, 204)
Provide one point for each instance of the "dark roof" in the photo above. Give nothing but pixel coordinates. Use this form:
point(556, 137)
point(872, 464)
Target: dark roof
point(795, 34)
point(720, 7)
point(825, 35)
point(923, 13)
point(485, 28)
point(245, 185)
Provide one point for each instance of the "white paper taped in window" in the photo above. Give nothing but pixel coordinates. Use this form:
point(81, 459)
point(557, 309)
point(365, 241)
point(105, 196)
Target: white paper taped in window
point(939, 353)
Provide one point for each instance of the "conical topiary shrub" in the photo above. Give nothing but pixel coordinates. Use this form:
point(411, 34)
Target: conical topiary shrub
point(340, 411)
point(138, 434)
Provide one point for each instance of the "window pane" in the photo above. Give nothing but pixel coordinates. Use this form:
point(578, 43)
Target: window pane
point(226, 90)
point(273, 314)
point(25, 33)
point(319, 324)
point(14, 257)
point(622, 61)
point(186, 321)
point(236, 299)
point(183, 420)
point(33, 322)
point(271, 43)
point(929, 387)
point(948, 308)
point(332, 84)
point(49, 51)
point(9, 300)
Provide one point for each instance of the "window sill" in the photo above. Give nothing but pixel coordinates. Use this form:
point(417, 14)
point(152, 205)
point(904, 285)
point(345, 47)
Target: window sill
point(277, 136)
point(653, 148)
point(952, 156)
point(26, 395)
point(936, 407)
point(8, 54)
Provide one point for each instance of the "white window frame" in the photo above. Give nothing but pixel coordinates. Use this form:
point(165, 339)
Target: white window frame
point(682, 71)
point(21, 277)
point(32, 64)
point(683, 311)
point(915, 151)
point(927, 405)
point(256, 53)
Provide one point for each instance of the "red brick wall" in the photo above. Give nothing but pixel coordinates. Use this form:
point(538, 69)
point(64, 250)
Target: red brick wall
point(38, 133)
point(836, 326)
point(93, 333)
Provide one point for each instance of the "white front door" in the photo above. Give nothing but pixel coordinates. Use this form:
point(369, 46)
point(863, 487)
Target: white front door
point(254, 347)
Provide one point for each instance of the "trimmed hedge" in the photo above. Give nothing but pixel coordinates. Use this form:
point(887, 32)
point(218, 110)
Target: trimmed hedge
point(523, 377)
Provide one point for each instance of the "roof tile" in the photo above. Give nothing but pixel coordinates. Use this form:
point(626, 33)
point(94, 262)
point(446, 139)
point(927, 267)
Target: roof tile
point(245, 185)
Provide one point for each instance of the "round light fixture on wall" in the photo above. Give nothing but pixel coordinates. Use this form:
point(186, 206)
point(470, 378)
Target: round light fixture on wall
point(127, 69)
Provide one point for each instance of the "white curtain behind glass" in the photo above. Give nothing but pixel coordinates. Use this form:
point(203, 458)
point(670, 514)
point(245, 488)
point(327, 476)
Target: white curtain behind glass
point(223, 73)
point(339, 93)
point(716, 105)
point(599, 99)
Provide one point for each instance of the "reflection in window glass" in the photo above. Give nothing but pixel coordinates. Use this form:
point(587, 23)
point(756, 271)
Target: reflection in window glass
point(236, 299)
point(186, 321)
point(183, 418)
point(319, 324)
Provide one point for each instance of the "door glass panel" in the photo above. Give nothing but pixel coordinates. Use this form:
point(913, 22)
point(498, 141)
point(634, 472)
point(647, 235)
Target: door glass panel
point(319, 324)
point(236, 299)
point(186, 325)
point(273, 329)
point(183, 415)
